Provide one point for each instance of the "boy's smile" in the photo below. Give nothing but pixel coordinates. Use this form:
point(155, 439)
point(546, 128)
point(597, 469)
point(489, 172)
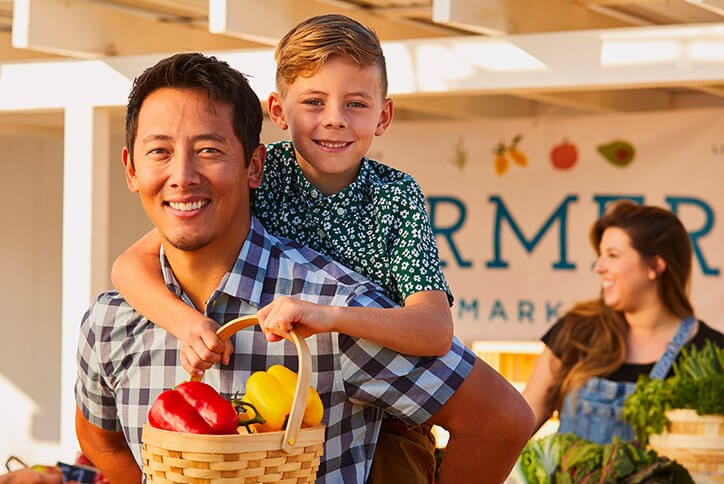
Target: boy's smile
point(332, 117)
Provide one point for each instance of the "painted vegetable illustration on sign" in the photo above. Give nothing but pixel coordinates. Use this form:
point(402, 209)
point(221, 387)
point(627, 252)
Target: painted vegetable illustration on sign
point(618, 152)
point(506, 153)
point(564, 155)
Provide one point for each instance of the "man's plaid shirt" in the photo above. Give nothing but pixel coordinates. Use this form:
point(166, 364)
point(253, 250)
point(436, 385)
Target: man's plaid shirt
point(125, 361)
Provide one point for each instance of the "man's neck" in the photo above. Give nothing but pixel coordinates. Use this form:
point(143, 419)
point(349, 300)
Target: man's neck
point(199, 272)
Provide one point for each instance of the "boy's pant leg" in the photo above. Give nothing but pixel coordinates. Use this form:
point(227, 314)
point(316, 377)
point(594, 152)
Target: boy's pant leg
point(404, 455)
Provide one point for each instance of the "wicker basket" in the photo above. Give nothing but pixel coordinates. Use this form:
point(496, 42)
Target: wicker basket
point(290, 456)
point(694, 441)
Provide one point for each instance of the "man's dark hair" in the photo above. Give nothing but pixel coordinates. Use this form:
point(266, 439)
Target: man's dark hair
point(196, 71)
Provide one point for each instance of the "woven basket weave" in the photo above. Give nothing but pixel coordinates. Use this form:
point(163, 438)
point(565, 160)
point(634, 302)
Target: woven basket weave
point(696, 442)
point(290, 456)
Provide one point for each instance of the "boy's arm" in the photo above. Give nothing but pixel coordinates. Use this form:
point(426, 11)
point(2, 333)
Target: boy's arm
point(489, 423)
point(137, 275)
point(107, 450)
point(423, 327)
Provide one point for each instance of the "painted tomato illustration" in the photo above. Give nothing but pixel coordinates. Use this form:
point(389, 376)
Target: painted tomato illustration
point(564, 155)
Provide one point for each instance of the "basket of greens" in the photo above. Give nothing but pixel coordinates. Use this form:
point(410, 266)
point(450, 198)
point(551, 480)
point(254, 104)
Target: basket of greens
point(682, 417)
point(567, 459)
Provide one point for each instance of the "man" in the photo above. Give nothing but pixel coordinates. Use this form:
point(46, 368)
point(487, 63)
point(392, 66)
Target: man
point(193, 155)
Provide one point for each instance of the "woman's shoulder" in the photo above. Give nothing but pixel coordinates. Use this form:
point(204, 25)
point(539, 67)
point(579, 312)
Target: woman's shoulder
point(707, 333)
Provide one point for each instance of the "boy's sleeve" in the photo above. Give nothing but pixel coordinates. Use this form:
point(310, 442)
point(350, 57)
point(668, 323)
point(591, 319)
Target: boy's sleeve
point(407, 387)
point(93, 393)
point(414, 258)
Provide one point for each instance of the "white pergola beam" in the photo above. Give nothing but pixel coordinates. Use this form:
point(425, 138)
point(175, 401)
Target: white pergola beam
point(62, 27)
point(488, 17)
point(256, 20)
point(607, 59)
point(716, 6)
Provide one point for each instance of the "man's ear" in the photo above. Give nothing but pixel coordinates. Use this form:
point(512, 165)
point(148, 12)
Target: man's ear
point(255, 170)
point(130, 170)
point(385, 117)
point(276, 110)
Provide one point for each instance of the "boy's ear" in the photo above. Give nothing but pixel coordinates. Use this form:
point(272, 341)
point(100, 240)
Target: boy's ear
point(129, 169)
point(385, 117)
point(255, 170)
point(276, 111)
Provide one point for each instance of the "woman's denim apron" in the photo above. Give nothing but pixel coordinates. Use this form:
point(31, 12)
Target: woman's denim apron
point(595, 414)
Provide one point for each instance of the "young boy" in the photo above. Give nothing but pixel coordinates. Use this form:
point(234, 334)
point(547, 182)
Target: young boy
point(321, 191)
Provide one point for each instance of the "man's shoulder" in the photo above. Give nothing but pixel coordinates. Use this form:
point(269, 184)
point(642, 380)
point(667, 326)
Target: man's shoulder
point(303, 263)
point(110, 309)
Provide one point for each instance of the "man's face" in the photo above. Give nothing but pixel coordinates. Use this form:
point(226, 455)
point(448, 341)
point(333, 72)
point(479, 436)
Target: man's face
point(189, 170)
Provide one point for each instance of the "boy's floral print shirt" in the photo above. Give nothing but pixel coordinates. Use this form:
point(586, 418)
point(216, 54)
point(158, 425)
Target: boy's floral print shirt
point(377, 226)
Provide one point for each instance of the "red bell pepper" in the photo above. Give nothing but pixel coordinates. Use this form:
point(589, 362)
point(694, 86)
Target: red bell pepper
point(193, 407)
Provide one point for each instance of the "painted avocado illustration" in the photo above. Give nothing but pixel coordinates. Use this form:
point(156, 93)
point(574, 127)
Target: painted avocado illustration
point(618, 152)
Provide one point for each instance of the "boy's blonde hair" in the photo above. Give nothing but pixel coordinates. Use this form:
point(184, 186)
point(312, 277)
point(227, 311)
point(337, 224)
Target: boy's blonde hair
point(305, 48)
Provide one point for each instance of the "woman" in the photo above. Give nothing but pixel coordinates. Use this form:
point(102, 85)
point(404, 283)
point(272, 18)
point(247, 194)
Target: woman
point(596, 352)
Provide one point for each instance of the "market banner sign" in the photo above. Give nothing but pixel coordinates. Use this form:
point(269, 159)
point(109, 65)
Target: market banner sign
point(511, 203)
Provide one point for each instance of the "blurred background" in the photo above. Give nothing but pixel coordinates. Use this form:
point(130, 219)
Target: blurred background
point(468, 77)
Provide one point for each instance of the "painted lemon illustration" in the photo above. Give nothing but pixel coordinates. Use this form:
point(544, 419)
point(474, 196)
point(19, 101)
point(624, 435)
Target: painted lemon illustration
point(618, 152)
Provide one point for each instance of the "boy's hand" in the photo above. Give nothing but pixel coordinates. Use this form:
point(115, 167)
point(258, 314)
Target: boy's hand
point(277, 318)
point(201, 347)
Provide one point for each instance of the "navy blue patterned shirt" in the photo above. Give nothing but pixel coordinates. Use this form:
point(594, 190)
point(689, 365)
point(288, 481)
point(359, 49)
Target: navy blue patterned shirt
point(125, 361)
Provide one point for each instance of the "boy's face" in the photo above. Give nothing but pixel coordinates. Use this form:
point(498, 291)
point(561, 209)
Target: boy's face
point(189, 170)
point(332, 117)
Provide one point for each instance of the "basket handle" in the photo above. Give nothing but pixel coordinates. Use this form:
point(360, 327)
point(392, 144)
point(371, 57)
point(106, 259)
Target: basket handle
point(304, 377)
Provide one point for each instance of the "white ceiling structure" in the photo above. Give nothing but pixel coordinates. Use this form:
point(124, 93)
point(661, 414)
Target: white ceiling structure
point(448, 59)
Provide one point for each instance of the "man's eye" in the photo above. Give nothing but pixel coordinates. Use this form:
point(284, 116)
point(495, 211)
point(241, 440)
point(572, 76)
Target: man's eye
point(157, 152)
point(209, 149)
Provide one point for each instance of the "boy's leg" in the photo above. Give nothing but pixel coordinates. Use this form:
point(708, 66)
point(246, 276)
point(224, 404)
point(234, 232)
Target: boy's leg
point(403, 454)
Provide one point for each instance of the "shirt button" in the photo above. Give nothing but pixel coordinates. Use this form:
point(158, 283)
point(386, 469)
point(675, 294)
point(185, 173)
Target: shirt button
point(314, 194)
point(321, 233)
point(340, 211)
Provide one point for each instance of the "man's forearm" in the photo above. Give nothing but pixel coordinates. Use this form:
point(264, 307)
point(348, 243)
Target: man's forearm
point(489, 423)
point(108, 451)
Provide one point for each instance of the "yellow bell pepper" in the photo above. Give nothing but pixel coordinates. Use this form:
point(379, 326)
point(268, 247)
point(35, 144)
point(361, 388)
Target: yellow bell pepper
point(271, 392)
point(313, 410)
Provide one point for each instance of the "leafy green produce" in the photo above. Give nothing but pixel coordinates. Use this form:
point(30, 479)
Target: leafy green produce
point(541, 457)
point(568, 459)
point(697, 384)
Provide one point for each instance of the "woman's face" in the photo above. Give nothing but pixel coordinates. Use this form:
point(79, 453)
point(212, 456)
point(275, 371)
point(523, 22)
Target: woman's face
point(627, 281)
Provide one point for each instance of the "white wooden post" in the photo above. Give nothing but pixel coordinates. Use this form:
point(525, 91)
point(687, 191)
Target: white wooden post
point(85, 241)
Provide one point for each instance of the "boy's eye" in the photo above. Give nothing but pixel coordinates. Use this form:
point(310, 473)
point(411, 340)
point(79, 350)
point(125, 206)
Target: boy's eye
point(313, 102)
point(357, 104)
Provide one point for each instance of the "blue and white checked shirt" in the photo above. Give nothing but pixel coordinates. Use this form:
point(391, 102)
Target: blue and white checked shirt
point(125, 361)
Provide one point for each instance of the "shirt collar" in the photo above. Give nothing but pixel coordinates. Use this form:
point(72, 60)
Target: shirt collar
point(245, 280)
point(350, 197)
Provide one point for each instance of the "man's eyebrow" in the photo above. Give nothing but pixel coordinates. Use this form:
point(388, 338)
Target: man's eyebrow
point(156, 137)
point(200, 137)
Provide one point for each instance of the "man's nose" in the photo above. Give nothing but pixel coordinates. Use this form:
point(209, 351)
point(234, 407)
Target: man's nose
point(184, 170)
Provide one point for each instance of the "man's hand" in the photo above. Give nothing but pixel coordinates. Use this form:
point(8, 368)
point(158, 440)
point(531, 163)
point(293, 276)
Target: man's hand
point(201, 347)
point(284, 313)
point(489, 423)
